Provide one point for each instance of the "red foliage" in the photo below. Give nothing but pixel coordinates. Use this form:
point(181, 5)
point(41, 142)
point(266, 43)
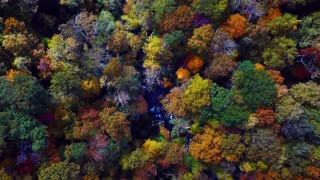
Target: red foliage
point(53, 152)
point(144, 173)
point(266, 116)
point(26, 167)
point(97, 144)
point(180, 19)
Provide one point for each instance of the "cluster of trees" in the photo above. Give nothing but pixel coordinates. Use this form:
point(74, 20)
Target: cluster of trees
point(172, 89)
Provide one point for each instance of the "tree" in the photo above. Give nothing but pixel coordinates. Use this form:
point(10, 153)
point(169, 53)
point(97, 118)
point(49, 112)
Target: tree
point(87, 124)
point(236, 25)
point(220, 66)
point(161, 7)
point(66, 86)
point(234, 115)
point(308, 32)
point(115, 123)
point(173, 102)
point(264, 145)
point(194, 63)
point(197, 94)
point(256, 87)
point(134, 160)
point(24, 94)
point(307, 93)
point(215, 9)
point(154, 148)
point(283, 24)
point(201, 38)
point(180, 18)
point(97, 147)
point(301, 130)
point(207, 146)
point(233, 147)
point(266, 116)
point(281, 53)
point(24, 127)
point(288, 109)
point(62, 170)
point(78, 151)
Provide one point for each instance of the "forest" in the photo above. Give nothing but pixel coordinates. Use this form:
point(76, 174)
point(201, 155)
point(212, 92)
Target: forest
point(159, 89)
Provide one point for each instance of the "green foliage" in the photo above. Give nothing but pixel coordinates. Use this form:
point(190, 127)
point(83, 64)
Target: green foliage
point(24, 127)
point(39, 138)
point(283, 24)
point(264, 146)
point(66, 86)
point(105, 27)
point(309, 33)
point(256, 87)
point(62, 170)
point(161, 7)
point(216, 9)
point(281, 53)
point(78, 151)
point(174, 39)
point(307, 93)
point(134, 160)
point(234, 115)
point(221, 98)
point(23, 94)
point(233, 147)
point(288, 109)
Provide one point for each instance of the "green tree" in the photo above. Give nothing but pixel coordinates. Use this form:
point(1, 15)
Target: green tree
point(281, 53)
point(256, 88)
point(23, 94)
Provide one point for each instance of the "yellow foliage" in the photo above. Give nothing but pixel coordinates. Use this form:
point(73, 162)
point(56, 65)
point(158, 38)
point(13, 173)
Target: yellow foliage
point(153, 47)
point(91, 87)
point(153, 148)
point(259, 67)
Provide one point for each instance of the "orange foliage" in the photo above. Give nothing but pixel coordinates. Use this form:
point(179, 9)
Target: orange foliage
point(236, 25)
point(273, 13)
point(174, 155)
point(12, 73)
point(313, 172)
point(194, 63)
point(88, 123)
point(266, 116)
point(11, 25)
point(183, 73)
point(207, 147)
point(90, 177)
point(276, 76)
point(173, 102)
point(167, 83)
point(165, 132)
point(115, 123)
point(180, 19)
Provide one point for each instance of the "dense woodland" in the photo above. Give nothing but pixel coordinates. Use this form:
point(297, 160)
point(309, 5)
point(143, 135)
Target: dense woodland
point(160, 89)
